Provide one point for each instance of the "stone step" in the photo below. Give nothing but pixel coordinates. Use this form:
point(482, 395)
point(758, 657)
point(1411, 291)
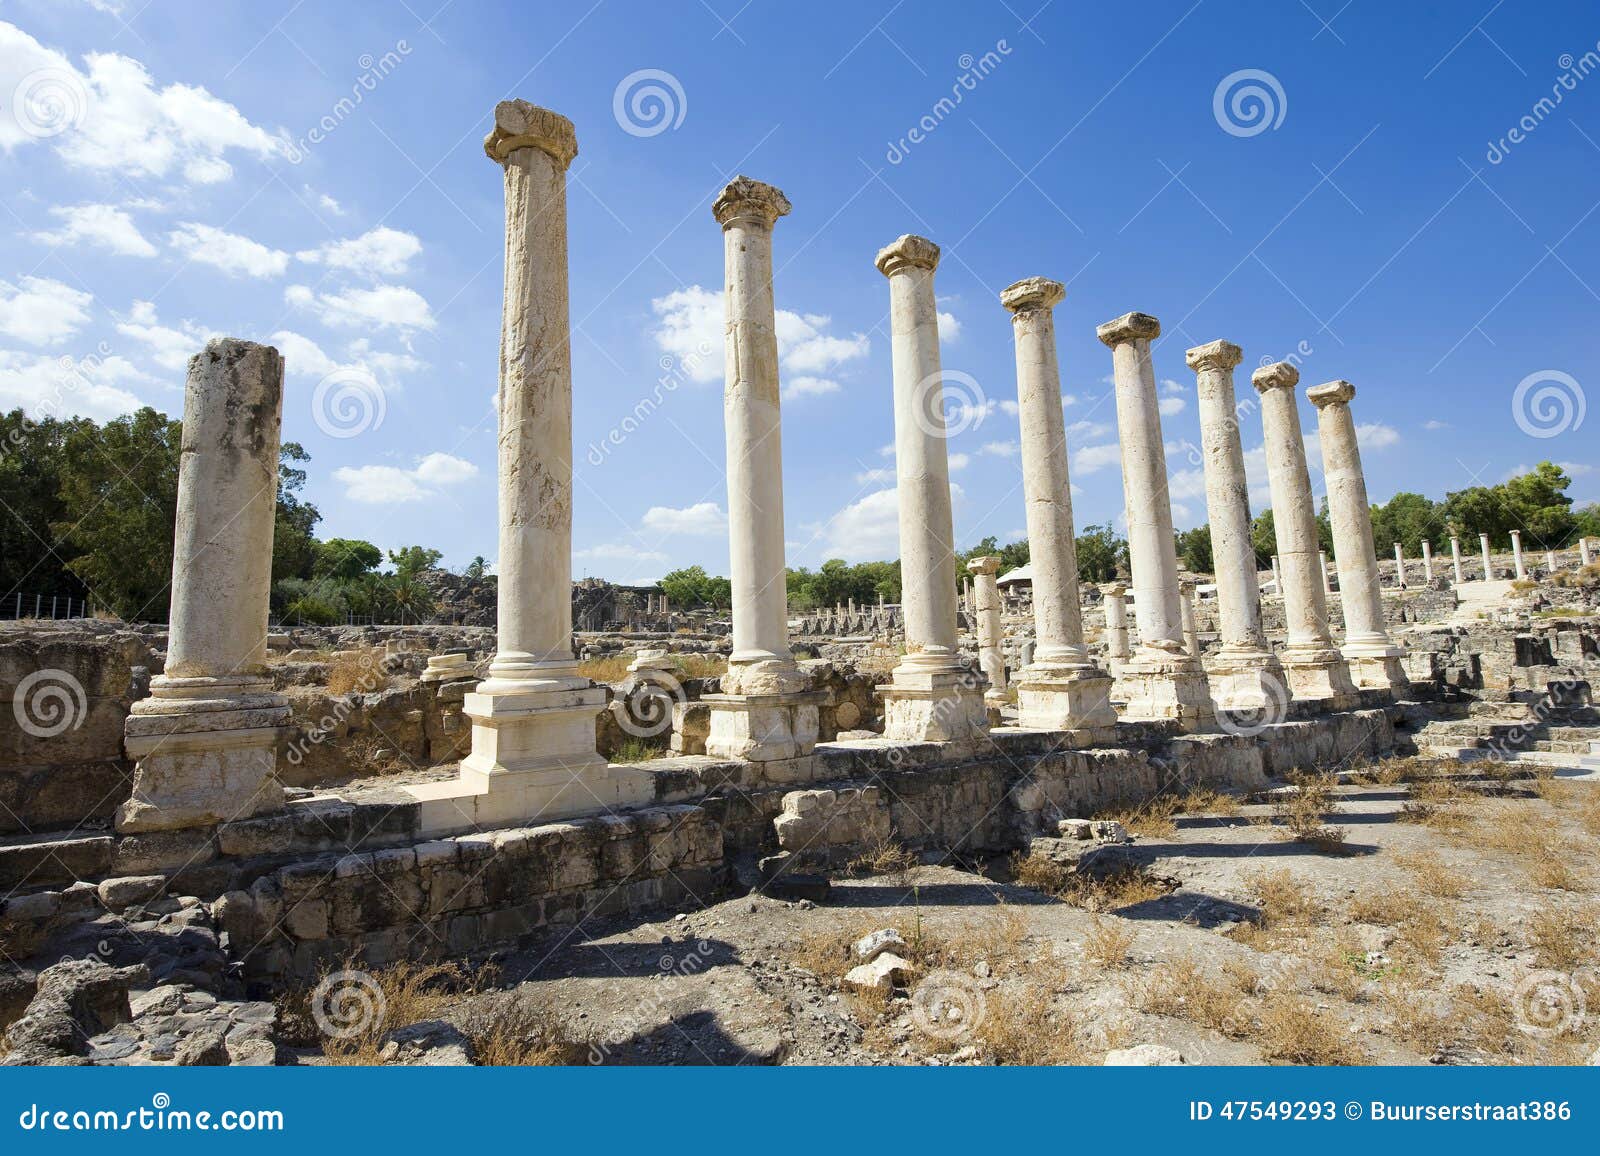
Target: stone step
point(49, 860)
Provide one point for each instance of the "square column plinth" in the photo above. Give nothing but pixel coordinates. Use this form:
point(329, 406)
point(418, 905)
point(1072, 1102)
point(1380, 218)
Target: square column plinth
point(533, 759)
point(762, 728)
point(1165, 684)
point(1378, 670)
point(1074, 701)
point(933, 706)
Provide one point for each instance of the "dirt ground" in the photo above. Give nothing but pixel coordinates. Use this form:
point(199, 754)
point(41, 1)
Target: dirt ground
point(1413, 913)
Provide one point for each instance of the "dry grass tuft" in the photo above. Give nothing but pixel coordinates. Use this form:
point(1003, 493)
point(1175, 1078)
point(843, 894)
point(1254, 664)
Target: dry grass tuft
point(411, 993)
point(517, 1031)
point(1303, 812)
point(1432, 876)
point(1025, 1024)
point(357, 672)
point(886, 856)
point(1289, 1028)
point(1107, 943)
point(1184, 990)
point(1562, 940)
point(1150, 818)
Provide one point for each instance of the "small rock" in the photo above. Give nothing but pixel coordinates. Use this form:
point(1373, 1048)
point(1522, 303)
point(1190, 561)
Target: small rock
point(869, 947)
point(1075, 829)
point(1144, 1056)
point(881, 975)
point(206, 1048)
point(981, 969)
point(431, 1043)
point(1111, 831)
point(130, 890)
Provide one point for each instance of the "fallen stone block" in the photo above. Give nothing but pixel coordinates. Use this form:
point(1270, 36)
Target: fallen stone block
point(869, 947)
point(881, 976)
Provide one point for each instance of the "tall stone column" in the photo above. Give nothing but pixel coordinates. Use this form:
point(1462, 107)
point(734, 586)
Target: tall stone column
point(1399, 567)
point(1244, 674)
point(1322, 568)
point(1116, 610)
point(1455, 558)
point(765, 712)
point(1062, 689)
point(205, 741)
point(931, 697)
point(986, 612)
point(1585, 557)
point(1373, 658)
point(1427, 562)
point(1488, 560)
point(533, 719)
point(1310, 659)
point(1191, 628)
point(1277, 577)
point(1161, 680)
point(1550, 561)
point(1516, 555)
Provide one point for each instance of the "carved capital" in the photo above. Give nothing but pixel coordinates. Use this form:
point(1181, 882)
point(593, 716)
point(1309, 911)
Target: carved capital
point(520, 125)
point(747, 199)
point(1278, 375)
point(908, 252)
point(1330, 393)
point(1213, 355)
point(984, 564)
point(1114, 589)
point(1033, 293)
point(1129, 327)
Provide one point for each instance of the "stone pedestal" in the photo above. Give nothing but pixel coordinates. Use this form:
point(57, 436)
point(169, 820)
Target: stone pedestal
point(763, 682)
point(932, 697)
point(1373, 658)
point(205, 742)
point(1160, 680)
point(1060, 687)
point(533, 719)
point(1244, 673)
point(1312, 663)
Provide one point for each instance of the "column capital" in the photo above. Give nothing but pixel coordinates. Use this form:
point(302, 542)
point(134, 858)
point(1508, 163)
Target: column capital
point(984, 564)
point(1187, 584)
point(907, 252)
point(745, 198)
point(1214, 355)
point(520, 125)
point(1278, 375)
point(1114, 589)
point(1129, 327)
point(1330, 393)
point(1032, 294)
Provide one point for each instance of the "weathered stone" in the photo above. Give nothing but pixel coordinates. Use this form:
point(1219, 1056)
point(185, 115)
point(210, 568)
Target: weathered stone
point(869, 947)
point(881, 976)
point(1144, 1056)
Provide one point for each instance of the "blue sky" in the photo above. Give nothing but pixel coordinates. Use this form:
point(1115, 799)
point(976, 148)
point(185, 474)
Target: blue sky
point(1376, 220)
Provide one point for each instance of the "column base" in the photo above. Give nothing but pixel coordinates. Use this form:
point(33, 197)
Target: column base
point(533, 760)
point(762, 728)
point(202, 761)
point(1321, 674)
point(933, 706)
point(1065, 699)
point(1163, 684)
point(1377, 670)
point(1249, 680)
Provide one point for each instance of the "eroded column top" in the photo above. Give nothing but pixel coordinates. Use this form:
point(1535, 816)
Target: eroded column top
point(1129, 327)
point(907, 252)
point(1114, 589)
point(520, 125)
point(1214, 355)
point(1330, 393)
point(984, 564)
point(745, 199)
point(1033, 293)
point(1278, 375)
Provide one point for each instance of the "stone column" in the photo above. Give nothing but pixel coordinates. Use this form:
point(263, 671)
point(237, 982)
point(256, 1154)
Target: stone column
point(1161, 680)
point(765, 712)
point(986, 612)
point(1191, 629)
point(1455, 558)
point(1244, 673)
point(1399, 567)
point(1516, 555)
point(931, 696)
point(1373, 658)
point(1427, 562)
point(1322, 567)
point(1061, 689)
point(1310, 659)
point(205, 742)
point(533, 719)
point(1550, 561)
point(1116, 609)
point(1584, 548)
point(1277, 578)
point(1488, 563)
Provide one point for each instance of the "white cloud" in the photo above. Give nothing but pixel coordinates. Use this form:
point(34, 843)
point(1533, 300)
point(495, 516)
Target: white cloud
point(42, 311)
point(700, 518)
point(230, 252)
point(1186, 483)
point(105, 226)
point(1009, 407)
point(804, 386)
point(1084, 431)
point(303, 357)
point(1376, 436)
point(392, 485)
point(803, 347)
point(1170, 406)
point(625, 562)
point(690, 325)
point(886, 451)
point(45, 386)
point(865, 530)
point(876, 477)
point(169, 348)
point(111, 116)
point(383, 307)
point(1092, 459)
point(949, 327)
point(959, 462)
point(1001, 449)
point(330, 205)
point(380, 252)
point(1171, 388)
point(1435, 423)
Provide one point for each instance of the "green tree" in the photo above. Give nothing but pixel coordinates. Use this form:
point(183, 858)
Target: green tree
point(294, 544)
point(31, 464)
point(1194, 549)
point(1100, 553)
point(686, 588)
point(1264, 538)
point(345, 558)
